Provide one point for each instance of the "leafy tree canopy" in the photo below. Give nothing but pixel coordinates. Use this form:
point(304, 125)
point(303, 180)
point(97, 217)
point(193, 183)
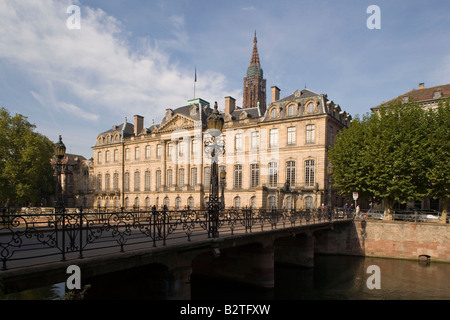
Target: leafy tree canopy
point(398, 154)
point(26, 174)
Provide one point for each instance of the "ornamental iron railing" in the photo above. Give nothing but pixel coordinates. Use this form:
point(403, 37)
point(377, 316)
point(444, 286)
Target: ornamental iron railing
point(43, 237)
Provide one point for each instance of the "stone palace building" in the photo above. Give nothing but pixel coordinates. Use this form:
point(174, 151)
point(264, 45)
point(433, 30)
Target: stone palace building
point(275, 154)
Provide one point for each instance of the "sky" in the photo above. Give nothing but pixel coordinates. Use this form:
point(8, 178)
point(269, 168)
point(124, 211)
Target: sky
point(140, 57)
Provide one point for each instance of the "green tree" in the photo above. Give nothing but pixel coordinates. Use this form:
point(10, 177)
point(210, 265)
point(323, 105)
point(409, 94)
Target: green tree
point(26, 174)
point(438, 170)
point(384, 155)
point(347, 157)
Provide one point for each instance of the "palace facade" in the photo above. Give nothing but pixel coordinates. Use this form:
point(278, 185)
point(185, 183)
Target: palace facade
point(275, 154)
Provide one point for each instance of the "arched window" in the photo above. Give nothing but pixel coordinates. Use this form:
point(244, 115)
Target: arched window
point(237, 202)
point(274, 113)
point(288, 202)
point(166, 202)
point(291, 110)
point(178, 203)
point(253, 202)
point(147, 203)
point(191, 203)
point(272, 202)
point(308, 202)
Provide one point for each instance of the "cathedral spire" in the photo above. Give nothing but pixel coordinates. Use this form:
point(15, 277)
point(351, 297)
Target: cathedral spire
point(255, 56)
point(254, 83)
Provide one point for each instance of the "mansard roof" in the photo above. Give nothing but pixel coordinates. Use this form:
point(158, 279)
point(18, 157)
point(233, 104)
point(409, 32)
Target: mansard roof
point(126, 127)
point(420, 95)
point(237, 114)
point(300, 94)
point(197, 110)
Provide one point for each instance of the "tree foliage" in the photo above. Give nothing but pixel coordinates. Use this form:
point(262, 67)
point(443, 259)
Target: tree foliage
point(438, 172)
point(26, 174)
point(399, 154)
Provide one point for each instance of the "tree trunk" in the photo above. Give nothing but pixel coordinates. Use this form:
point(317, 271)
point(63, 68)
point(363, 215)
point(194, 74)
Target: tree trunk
point(444, 211)
point(388, 204)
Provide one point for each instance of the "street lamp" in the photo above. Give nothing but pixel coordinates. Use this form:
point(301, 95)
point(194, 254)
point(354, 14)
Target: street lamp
point(223, 176)
point(59, 150)
point(212, 147)
point(330, 170)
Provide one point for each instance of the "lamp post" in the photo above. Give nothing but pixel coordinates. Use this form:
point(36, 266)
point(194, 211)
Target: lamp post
point(223, 176)
point(59, 150)
point(212, 147)
point(330, 170)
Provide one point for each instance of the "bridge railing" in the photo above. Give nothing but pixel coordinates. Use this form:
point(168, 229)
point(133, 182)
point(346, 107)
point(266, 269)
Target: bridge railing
point(31, 238)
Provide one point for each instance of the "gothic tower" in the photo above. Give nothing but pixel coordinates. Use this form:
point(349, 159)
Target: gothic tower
point(254, 84)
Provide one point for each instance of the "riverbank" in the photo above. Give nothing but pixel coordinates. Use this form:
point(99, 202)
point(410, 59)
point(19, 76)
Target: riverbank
point(388, 239)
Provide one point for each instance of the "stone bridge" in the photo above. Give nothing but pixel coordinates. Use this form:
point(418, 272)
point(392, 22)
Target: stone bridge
point(163, 248)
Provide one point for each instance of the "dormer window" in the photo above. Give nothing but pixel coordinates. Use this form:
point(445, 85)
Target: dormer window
point(291, 110)
point(405, 99)
point(311, 107)
point(437, 94)
point(193, 110)
point(243, 115)
point(274, 113)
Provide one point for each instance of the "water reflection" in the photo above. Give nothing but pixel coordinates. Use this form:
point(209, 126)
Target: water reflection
point(332, 278)
point(344, 278)
point(53, 292)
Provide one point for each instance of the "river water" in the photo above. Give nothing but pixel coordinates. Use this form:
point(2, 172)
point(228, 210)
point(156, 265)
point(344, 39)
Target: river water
point(332, 278)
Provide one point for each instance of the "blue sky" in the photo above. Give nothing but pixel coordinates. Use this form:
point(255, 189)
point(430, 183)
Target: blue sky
point(138, 57)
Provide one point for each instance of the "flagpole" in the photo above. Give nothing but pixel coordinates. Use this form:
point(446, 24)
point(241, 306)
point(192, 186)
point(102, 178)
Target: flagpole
point(195, 79)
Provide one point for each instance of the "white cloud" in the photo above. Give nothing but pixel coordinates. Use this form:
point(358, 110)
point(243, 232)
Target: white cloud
point(49, 101)
point(93, 68)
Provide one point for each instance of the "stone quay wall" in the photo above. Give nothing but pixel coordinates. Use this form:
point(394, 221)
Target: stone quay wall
point(387, 239)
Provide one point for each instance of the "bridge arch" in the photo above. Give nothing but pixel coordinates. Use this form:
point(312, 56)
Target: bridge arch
point(250, 264)
point(154, 281)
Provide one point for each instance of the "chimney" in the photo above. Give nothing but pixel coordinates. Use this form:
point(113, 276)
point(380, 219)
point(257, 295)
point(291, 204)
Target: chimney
point(421, 85)
point(230, 104)
point(275, 93)
point(138, 124)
